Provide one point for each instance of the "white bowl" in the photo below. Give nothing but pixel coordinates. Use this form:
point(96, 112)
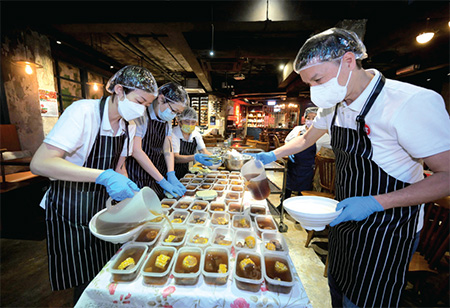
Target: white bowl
point(312, 212)
point(115, 239)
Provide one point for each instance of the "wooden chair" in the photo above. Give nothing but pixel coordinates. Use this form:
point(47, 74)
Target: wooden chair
point(263, 145)
point(434, 244)
point(326, 168)
point(251, 142)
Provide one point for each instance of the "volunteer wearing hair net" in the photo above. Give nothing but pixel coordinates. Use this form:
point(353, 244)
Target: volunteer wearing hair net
point(186, 141)
point(153, 156)
point(80, 155)
point(380, 141)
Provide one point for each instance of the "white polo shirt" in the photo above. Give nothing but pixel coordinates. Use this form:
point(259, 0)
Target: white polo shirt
point(405, 124)
point(323, 141)
point(178, 135)
point(77, 128)
point(142, 123)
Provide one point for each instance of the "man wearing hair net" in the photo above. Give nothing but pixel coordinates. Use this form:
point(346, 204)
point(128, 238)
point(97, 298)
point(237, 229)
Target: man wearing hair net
point(80, 155)
point(186, 141)
point(153, 155)
point(300, 168)
point(380, 141)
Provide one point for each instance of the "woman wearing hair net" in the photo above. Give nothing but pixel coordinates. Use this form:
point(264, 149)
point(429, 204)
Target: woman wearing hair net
point(380, 140)
point(153, 155)
point(79, 155)
point(186, 141)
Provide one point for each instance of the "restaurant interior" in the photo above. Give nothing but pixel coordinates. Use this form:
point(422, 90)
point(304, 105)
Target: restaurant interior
point(235, 59)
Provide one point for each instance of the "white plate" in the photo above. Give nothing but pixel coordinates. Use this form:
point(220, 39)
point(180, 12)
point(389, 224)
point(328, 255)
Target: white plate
point(115, 239)
point(312, 212)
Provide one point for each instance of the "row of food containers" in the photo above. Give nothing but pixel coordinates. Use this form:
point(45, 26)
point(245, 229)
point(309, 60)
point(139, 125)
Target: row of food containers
point(203, 252)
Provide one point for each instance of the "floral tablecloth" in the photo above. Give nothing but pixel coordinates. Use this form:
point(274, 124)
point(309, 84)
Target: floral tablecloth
point(104, 292)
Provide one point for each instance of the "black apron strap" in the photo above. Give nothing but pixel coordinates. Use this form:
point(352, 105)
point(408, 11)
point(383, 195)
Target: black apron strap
point(369, 103)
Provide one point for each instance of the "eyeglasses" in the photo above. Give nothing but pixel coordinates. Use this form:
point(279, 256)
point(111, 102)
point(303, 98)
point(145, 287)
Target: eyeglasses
point(171, 109)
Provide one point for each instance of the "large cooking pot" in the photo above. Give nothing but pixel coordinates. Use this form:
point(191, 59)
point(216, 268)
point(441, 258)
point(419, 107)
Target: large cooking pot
point(235, 163)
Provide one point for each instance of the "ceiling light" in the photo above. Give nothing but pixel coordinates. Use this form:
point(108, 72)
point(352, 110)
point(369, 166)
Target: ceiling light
point(58, 42)
point(271, 103)
point(424, 37)
point(211, 53)
point(29, 65)
point(429, 79)
point(239, 76)
point(281, 67)
point(111, 67)
point(449, 23)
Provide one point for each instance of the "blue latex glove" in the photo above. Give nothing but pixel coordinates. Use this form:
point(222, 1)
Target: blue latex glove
point(172, 179)
point(291, 157)
point(264, 157)
point(118, 186)
point(171, 189)
point(356, 208)
point(203, 159)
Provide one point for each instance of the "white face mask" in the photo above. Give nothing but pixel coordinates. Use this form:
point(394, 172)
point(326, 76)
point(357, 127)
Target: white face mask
point(330, 93)
point(130, 110)
point(308, 123)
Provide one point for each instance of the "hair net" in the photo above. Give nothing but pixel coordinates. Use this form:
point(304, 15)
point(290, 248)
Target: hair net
point(328, 45)
point(311, 110)
point(133, 77)
point(174, 93)
point(188, 113)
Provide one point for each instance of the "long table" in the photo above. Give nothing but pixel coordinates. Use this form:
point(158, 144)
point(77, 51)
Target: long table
point(104, 292)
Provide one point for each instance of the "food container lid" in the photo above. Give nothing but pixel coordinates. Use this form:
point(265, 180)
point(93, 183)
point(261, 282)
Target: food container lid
point(280, 258)
point(206, 194)
point(153, 252)
point(127, 251)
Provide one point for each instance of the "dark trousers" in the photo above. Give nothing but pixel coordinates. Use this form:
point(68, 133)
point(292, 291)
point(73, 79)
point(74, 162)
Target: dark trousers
point(78, 290)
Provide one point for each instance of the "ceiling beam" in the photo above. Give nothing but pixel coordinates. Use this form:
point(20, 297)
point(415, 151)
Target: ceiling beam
point(177, 41)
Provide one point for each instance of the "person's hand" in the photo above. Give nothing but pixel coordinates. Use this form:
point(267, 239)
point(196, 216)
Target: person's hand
point(264, 157)
point(171, 189)
point(118, 186)
point(172, 179)
point(203, 159)
point(356, 208)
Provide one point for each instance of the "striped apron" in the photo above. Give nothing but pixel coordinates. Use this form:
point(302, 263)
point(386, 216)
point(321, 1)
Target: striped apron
point(368, 258)
point(152, 145)
point(186, 148)
point(75, 256)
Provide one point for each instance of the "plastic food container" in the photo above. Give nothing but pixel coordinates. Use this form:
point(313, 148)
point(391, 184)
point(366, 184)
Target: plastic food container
point(273, 271)
point(192, 186)
point(188, 275)
point(235, 173)
point(205, 186)
point(251, 278)
point(240, 242)
point(222, 176)
point(241, 222)
point(234, 177)
point(231, 195)
point(196, 181)
point(235, 208)
point(149, 234)
point(212, 273)
point(220, 220)
point(222, 182)
point(154, 275)
point(199, 237)
point(217, 207)
point(222, 237)
point(168, 203)
point(199, 176)
point(199, 206)
point(198, 218)
point(219, 187)
point(277, 240)
point(257, 209)
point(178, 238)
point(265, 223)
point(182, 205)
point(237, 188)
point(236, 182)
point(137, 253)
point(189, 176)
point(179, 217)
point(211, 175)
point(209, 181)
point(184, 181)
